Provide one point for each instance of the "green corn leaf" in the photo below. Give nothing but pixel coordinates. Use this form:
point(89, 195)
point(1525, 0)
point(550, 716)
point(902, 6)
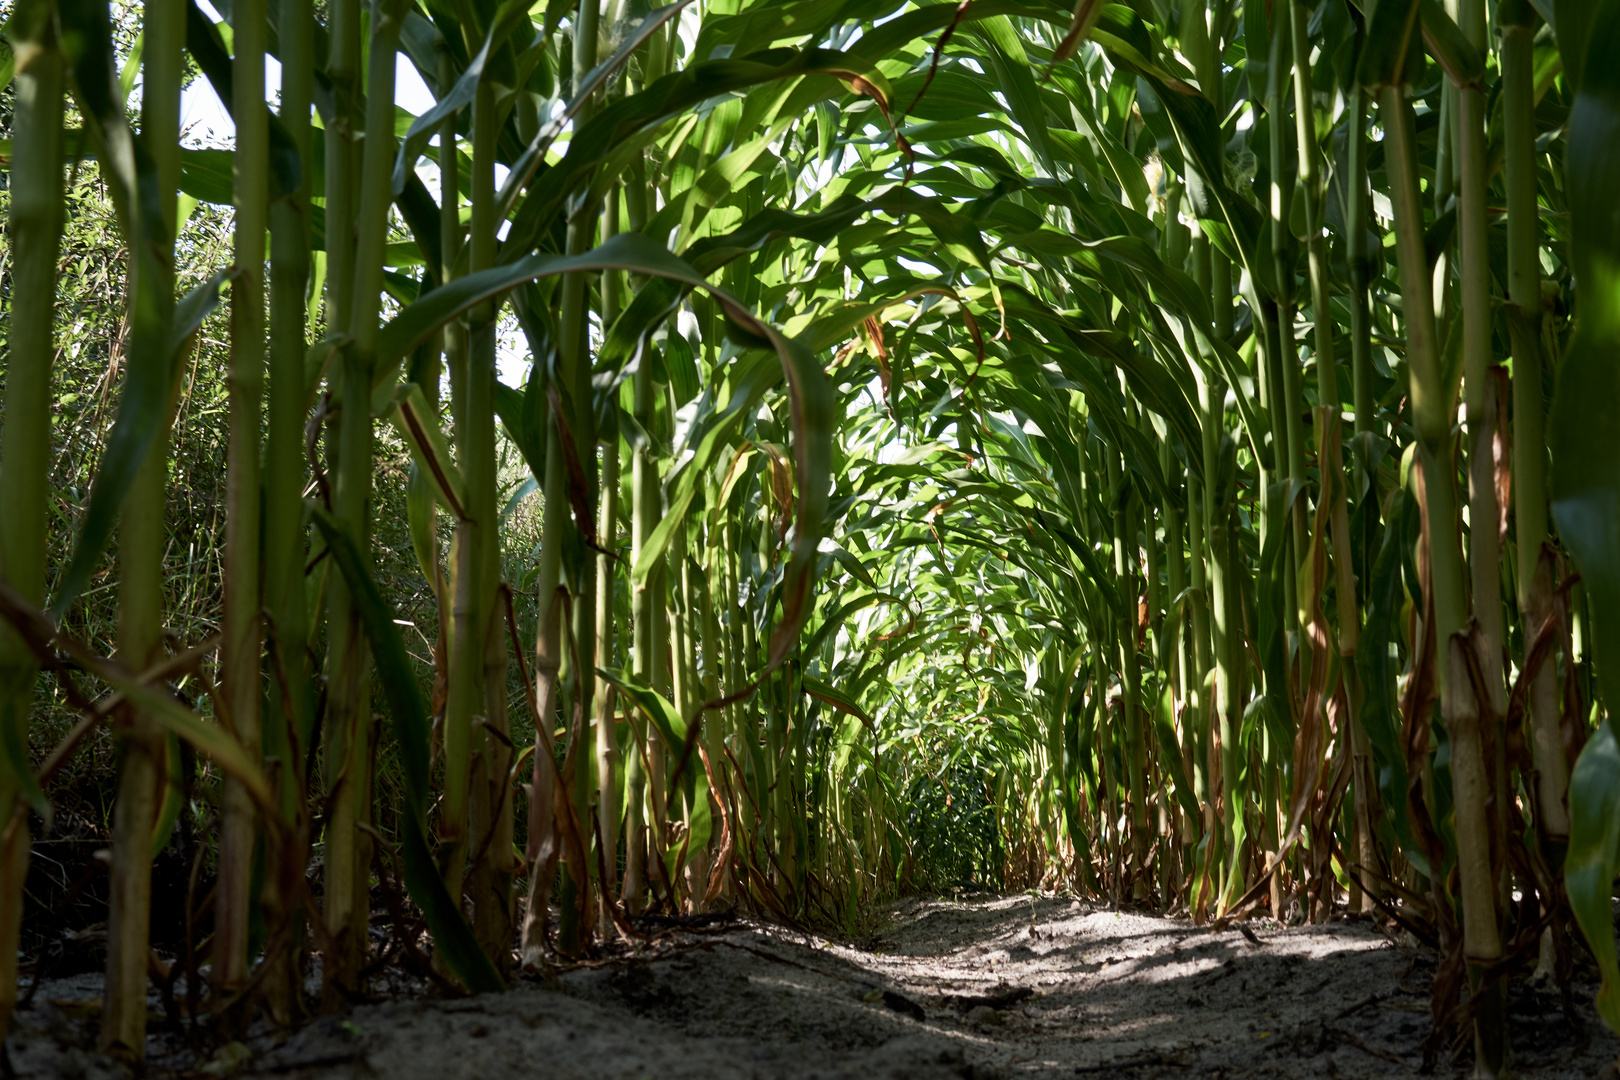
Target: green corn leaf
point(1101, 578)
point(809, 394)
point(593, 81)
point(1593, 858)
point(1585, 479)
point(632, 252)
point(835, 618)
point(205, 175)
point(1012, 70)
point(816, 688)
point(638, 115)
point(425, 127)
point(316, 360)
point(1086, 14)
point(207, 48)
point(523, 429)
point(813, 418)
point(652, 553)
point(683, 371)
point(1583, 426)
point(1385, 58)
point(419, 501)
point(132, 65)
point(1170, 752)
point(211, 739)
point(173, 787)
point(653, 705)
point(15, 762)
point(849, 561)
point(451, 933)
point(189, 314)
point(1234, 226)
point(746, 391)
point(1462, 63)
point(430, 450)
point(700, 822)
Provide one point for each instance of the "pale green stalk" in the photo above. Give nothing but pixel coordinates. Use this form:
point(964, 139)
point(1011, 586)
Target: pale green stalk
point(241, 679)
point(1269, 374)
point(1470, 777)
point(1357, 223)
point(454, 334)
point(1428, 392)
point(1125, 587)
point(658, 753)
point(1480, 403)
point(543, 834)
point(288, 723)
point(688, 699)
point(1226, 703)
point(603, 775)
point(1232, 689)
point(1293, 394)
point(1479, 390)
point(797, 795)
point(607, 750)
point(778, 747)
point(1330, 461)
point(1268, 379)
point(1441, 190)
point(25, 439)
point(1529, 409)
point(1357, 214)
point(1227, 715)
point(342, 158)
point(1175, 652)
point(465, 691)
point(731, 625)
point(494, 870)
point(349, 715)
point(350, 476)
point(687, 694)
point(1202, 710)
point(636, 749)
point(142, 538)
point(716, 731)
point(477, 754)
point(1168, 854)
point(643, 601)
point(574, 369)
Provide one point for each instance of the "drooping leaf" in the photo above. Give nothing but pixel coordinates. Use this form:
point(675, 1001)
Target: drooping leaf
point(408, 713)
point(430, 450)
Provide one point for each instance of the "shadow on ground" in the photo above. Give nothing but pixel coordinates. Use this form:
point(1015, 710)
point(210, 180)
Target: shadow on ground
point(1001, 988)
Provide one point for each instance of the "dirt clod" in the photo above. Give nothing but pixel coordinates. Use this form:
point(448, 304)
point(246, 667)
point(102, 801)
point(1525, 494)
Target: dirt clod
point(984, 1016)
point(903, 1005)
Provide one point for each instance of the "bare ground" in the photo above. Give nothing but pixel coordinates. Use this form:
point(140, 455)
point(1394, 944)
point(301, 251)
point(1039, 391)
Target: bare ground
point(988, 988)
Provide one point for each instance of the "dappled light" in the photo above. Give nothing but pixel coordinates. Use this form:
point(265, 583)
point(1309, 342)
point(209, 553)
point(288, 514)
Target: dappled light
point(809, 537)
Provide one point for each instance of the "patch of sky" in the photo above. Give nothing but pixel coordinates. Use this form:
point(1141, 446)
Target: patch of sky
point(205, 121)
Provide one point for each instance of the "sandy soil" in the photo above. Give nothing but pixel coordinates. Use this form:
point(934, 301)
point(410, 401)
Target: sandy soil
point(988, 988)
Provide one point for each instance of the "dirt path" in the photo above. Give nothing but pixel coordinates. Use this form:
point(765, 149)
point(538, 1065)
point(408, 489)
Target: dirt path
point(1000, 988)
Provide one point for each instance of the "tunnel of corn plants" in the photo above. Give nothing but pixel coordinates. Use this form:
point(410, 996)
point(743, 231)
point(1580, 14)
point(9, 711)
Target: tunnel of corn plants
point(492, 489)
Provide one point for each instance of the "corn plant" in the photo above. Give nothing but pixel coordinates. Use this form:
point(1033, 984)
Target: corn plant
point(973, 444)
